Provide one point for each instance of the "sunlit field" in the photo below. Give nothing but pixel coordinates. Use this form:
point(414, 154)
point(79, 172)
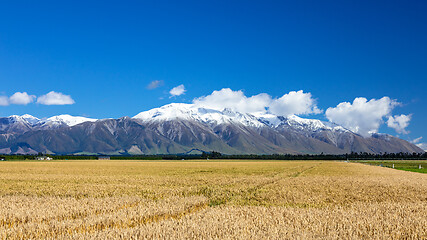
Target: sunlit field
point(210, 200)
point(406, 165)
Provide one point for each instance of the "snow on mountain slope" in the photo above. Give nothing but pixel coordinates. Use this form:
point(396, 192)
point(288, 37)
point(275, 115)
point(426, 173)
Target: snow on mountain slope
point(313, 124)
point(192, 112)
point(14, 123)
point(16, 118)
point(185, 111)
point(30, 119)
point(68, 120)
point(55, 120)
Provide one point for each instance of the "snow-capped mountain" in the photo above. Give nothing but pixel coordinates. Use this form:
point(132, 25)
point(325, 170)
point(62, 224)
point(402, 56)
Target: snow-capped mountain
point(66, 119)
point(179, 128)
point(26, 122)
point(183, 111)
point(30, 119)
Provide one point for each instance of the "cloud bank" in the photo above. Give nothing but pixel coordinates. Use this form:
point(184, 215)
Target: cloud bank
point(55, 98)
point(177, 91)
point(361, 116)
point(298, 103)
point(420, 144)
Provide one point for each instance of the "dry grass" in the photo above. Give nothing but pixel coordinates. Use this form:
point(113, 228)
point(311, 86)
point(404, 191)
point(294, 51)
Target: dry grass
point(377, 221)
point(59, 217)
point(210, 200)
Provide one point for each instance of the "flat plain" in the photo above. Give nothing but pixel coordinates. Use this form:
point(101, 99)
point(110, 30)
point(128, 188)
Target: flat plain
point(210, 200)
point(406, 165)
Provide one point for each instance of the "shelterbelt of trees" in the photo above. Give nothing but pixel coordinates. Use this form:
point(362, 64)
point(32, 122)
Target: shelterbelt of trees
point(218, 155)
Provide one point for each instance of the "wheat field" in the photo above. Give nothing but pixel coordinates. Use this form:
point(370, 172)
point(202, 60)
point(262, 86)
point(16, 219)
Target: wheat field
point(210, 200)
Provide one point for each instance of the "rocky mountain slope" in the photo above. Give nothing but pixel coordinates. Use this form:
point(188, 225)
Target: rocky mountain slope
point(180, 128)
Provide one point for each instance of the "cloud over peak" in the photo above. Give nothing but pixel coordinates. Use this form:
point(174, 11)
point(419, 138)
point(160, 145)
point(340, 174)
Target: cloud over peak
point(236, 100)
point(362, 116)
point(399, 122)
point(291, 103)
point(420, 144)
point(55, 98)
point(297, 103)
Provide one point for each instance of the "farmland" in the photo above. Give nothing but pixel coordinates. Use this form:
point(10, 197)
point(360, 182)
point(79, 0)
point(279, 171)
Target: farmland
point(406, 165)
point(210, 200)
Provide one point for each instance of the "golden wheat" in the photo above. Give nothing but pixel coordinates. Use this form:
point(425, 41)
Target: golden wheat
point(375, 221)
point(210, 200)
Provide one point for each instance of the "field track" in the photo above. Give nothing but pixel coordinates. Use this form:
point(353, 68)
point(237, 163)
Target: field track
point(210, 200)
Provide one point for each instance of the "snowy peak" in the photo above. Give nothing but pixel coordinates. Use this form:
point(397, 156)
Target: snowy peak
point(313, 125)
point(168, 112)
point(192, 112)
point(15, 118)
point(30, 119)
point(68, 120)
point(55, 120)
point(302, 123)
point(24, 119)
point(215, 117)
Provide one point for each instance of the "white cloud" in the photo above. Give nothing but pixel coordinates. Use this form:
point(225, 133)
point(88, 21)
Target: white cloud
point(55, 98)
point(177, 91)
point(361, 116)
point(420, 144)
point(155, 84)
point(4, 101)
point(21, 98)
point(292, 103)
point(235, 100)
point(399, 122)
point(423, 146)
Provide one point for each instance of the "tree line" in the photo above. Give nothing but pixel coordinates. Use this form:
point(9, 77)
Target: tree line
point(218, 155)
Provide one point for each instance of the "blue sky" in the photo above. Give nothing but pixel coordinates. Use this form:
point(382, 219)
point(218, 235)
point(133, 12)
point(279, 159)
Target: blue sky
point(103, 54)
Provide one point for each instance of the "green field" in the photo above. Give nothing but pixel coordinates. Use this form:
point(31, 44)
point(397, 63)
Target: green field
point(406, 165)
point(210, 200)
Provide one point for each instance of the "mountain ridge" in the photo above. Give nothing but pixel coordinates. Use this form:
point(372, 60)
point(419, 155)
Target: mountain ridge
point(179, 128)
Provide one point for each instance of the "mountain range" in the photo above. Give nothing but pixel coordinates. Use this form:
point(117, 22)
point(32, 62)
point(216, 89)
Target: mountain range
point(187, 128)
